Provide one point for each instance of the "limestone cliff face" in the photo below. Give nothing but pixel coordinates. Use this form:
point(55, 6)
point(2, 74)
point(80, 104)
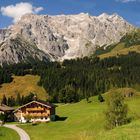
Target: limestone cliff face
point(53, 38)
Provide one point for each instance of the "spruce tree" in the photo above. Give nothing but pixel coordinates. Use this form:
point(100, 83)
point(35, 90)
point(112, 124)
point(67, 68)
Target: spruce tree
point(11, 101)
point(4, 100)
point(18, 99)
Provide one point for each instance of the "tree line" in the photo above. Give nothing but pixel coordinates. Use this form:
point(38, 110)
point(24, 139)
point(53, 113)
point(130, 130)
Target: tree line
point(73, 80)
point(90, 76)
point(18, 100)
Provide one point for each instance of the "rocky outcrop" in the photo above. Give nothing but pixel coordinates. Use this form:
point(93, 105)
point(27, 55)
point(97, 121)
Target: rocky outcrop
point(19, 50)
point(53, 38)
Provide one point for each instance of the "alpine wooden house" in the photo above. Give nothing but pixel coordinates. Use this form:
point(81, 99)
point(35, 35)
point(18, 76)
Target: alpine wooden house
point(35, 111)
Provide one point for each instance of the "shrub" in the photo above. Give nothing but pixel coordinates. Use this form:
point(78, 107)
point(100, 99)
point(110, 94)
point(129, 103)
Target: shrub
point(100, 98)
point(116, 115)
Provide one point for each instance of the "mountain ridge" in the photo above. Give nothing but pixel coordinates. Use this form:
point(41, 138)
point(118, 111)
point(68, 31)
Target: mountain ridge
point(60, 37)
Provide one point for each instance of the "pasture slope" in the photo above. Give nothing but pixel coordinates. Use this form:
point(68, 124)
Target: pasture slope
point(23, 85)
point(8, 134)
point(85, 121)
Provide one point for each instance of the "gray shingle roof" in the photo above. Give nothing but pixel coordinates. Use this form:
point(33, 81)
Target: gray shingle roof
point(5, 108)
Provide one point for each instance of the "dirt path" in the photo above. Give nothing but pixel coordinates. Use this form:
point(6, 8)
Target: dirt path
point(23, 135)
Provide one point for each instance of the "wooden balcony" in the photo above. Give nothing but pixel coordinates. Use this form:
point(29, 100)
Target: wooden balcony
point(36, 114)
point(35, 109)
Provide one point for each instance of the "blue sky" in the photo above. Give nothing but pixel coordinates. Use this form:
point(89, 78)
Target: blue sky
point(11, 10)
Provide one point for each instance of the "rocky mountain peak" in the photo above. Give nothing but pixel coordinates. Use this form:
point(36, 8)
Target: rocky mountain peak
point(60, 37)
point(103, 15)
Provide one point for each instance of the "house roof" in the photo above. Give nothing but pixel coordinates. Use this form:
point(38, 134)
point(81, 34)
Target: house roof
point(46, 103)
point(39, 102)
point(5, 108)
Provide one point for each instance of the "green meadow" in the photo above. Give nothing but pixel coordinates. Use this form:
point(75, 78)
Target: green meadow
point(120, 50)
point(8, 134)
point(86, 121)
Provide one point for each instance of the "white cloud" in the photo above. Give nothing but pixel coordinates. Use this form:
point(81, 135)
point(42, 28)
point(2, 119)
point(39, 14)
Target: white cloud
point(126, 1)
point(18, 10)
point(37, 10)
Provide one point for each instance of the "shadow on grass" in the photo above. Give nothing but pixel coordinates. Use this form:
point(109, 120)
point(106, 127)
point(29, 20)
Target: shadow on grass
point(58, 118)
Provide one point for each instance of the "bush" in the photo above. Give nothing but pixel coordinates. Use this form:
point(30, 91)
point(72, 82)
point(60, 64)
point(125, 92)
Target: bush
point(3, 118)
point(100, 98)
point(116, 115)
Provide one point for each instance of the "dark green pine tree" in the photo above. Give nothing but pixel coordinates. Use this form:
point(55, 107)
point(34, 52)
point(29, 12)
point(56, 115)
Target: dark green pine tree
point(4, 100)
point(18, 100)
point(11, 101)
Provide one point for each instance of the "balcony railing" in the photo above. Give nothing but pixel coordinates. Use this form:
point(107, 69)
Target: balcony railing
point(35, 109)
point(36, 114)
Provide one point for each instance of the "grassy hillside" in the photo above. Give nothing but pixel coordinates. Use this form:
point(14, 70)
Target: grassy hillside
point(8, 134)
point(121, 50)
point(130, 42)
point(85, 121)
point(23, 85)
